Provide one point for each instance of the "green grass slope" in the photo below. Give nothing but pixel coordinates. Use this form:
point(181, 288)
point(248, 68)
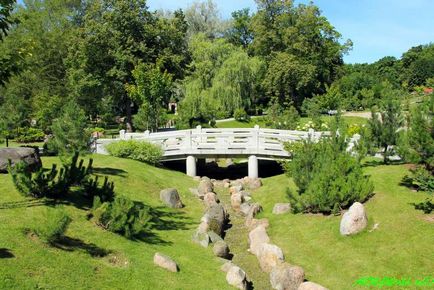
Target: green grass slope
point(260, 121)
point(80, 263)
point(401, 247)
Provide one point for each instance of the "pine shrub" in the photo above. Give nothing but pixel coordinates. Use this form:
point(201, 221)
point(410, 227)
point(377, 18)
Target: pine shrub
point(327, 177)
point(122, 216)
point(54, 225)
point(136, 150)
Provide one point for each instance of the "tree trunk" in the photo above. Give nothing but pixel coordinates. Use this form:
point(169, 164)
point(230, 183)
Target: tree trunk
point(7, 142)
point(129, 119)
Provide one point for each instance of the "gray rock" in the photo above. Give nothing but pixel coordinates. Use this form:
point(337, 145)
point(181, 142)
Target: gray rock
point(257, 237)
point(221, 249)
point(281, 208)
point(254, 210)
point(194, 191)
point(214, 237)
point(253, 223)
point(252, 183)
point(236, 277)
point(216, 217)
point(354, 220)
point(236, 200)
point(235, 188)
point(286, 277)
point(245, 208)
point(311, 286)
point(170, 197)
point(165, 262)
point(201, 238)
point(28, 155)
point(269, 256)
point(210, 198)
point(205, 186)
point(226, 266)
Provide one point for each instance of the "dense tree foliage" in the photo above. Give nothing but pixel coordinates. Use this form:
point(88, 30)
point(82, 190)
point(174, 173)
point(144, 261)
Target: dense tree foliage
point(120, 62)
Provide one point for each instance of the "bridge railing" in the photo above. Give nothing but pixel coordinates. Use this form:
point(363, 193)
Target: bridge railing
point(214, 141)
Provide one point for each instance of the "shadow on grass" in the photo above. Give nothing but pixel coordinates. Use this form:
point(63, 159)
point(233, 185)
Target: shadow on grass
point(6, 254)
point(163, 220)
point(27, 203)
point(72, 244)
point(109, 171)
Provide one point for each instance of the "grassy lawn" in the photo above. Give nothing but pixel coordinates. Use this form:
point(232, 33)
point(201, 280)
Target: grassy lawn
point(13, 144)
point(401, 247)
point(129, 265)
point(303, 120)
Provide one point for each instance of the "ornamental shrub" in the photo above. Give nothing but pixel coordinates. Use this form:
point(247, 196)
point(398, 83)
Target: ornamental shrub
point(241, 115)
point(122, 216)
point(136, 150)
point(327, 177)
point(54, 225)
point(26, 135)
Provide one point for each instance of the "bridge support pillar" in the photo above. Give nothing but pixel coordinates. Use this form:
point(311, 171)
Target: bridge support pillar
point(191, 166)
point(253, 167)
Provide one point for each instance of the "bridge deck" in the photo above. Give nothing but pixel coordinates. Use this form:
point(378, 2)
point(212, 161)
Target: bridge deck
point(215, 143)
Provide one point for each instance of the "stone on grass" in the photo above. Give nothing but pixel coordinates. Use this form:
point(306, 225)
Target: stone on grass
point(226, 266)
point(216, 217)
point(311, 286)
point(28, 155)
point(253, 223)
point(236, 200)
point(245, 208)
point(196, 178)
point(354, 220)
point(254, 210)
point(269, 256)
point(221, 249)
point(235, 188)
point(286, 277)
point(214, 237)
point(257, 237)
point(281, 208)
point(210, 198)
point(170, 197)
point(236, 277)
point(252, 183)
point(201, 238)
point(205, 186)
point(165, 262)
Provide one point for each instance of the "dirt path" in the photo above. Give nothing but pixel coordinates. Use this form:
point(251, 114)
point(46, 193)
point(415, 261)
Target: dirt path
point(366, 115)
point(237, 239)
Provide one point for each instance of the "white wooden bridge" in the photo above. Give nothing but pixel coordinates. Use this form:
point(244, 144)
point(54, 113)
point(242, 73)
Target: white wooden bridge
point(200, 143)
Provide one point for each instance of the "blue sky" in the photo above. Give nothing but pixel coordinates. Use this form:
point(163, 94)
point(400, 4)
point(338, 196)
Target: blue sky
point(377, 27)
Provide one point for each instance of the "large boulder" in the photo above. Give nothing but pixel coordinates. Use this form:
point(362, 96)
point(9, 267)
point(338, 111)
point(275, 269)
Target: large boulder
point(269, 256)
point(221, 249)
point(236, 187)
point(311, 286)
point(216, 218)
point(170, 197)
point(237, 277)
point(286, 277)
point(281, 208)
point(214, 237)
point(26, 154)
point(354, 220)
point(257, 237)
point(165, 262)
point(205, 186)
point(255, 208)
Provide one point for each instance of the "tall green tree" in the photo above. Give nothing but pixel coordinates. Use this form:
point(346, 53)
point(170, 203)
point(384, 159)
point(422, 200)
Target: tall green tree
point(303, 41)
point(6, 7)
point(151, 91)
point(69, 131)
point(116, 36)
point(384, 126)
point(240, 34)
